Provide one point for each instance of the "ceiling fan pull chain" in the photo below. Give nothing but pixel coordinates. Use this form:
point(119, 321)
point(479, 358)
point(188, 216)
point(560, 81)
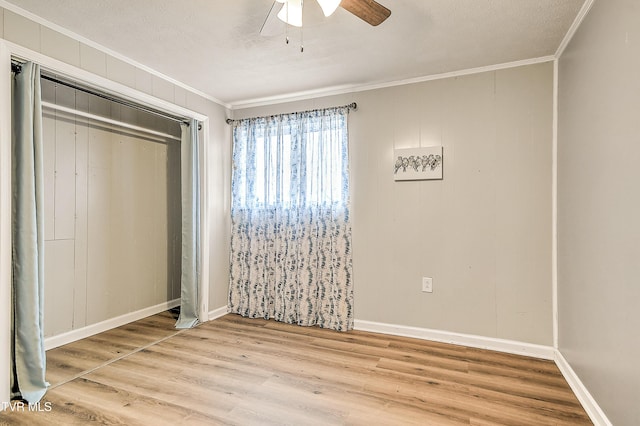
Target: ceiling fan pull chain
point(302, 28)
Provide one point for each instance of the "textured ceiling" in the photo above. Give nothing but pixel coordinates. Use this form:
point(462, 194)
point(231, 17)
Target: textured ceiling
point(215, 46)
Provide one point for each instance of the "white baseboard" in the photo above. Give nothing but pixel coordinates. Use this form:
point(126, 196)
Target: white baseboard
point(501, 345)
point(592, 408)
point(589, 404)
point(90, 330)
point(217, 313)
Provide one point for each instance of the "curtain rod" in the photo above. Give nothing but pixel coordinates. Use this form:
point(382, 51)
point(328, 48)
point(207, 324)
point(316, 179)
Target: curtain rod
point(16, 66)
point(351, 106)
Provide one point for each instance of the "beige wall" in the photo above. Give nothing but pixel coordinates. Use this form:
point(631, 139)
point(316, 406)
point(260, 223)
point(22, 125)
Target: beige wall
point(483, 233)
point(599, 207)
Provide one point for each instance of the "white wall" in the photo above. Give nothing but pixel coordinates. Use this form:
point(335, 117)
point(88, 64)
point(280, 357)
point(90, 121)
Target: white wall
point(483, 233)
point(599, 207)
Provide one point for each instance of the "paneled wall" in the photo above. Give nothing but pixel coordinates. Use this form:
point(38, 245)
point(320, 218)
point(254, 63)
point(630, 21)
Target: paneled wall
point(483, 233)
point(42, 39)
point(599, 207)
point(112, 212)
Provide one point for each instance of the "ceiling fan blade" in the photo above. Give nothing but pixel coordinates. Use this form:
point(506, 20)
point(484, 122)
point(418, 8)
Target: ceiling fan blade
point(368, 10)
point(272, 25)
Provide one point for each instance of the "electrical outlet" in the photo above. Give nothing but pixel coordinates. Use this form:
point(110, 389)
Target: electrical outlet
point(427, 284)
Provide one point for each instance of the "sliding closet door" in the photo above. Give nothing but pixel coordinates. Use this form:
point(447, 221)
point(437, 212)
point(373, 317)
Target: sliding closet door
point(113, 213)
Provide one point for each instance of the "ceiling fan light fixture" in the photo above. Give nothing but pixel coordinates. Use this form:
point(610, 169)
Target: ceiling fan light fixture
point(291, 12)
point(329, 6)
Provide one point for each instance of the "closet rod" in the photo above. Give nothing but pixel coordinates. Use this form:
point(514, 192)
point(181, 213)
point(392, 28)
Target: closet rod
point(108, 120)
point(16, 66)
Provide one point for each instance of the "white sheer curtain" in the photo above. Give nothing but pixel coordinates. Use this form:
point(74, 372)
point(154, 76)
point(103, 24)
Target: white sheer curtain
point(291, 230)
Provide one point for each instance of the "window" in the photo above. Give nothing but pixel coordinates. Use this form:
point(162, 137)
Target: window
point(291, 233)
point(292, 162)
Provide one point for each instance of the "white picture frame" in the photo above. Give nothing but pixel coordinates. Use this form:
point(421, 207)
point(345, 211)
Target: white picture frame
point(418, 163)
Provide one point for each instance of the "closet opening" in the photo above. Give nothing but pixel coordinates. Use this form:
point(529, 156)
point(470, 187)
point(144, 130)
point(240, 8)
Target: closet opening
point(113, 208)
point(76, 191)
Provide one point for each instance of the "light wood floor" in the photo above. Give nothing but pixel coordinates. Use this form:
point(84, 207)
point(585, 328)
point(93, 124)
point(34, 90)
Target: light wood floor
point(241, 371)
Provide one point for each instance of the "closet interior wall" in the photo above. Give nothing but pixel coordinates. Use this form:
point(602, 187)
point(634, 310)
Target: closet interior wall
point(112, 212)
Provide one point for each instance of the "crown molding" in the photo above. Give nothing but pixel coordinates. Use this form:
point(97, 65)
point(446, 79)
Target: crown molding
point(55, 27)
point(341, 90)
point(574, 27)
point(288, 97)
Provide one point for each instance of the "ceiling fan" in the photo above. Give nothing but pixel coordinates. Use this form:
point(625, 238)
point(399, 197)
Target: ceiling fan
point(290, 12)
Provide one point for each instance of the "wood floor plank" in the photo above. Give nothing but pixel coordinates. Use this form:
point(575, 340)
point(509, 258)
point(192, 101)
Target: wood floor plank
point(89, 353)
point(82, 401)
point(563, 413)
point(183, 390)
point(240, 371)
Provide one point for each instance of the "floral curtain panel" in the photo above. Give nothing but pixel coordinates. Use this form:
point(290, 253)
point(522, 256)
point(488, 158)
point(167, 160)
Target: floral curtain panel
point(291, 229)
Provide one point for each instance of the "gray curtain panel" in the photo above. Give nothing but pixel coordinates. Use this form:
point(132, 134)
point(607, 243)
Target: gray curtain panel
point(28, 356)
point(190, 174)
point(291, 230)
